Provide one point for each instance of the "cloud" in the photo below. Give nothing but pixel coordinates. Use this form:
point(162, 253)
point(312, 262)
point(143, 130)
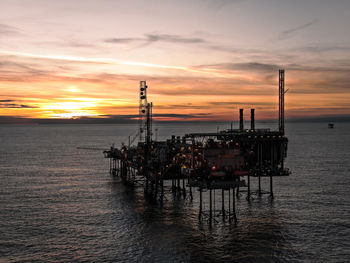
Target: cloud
point(252, 78)
point(8, 30)
point(173, 38)
point(122, 40)
point(183, 116)
point(154, 37)
point(255, 66)
point(217, 4)
point(323, 48)
point(234, 103)
point(198, 42)
point(181, 106)
point(15, 106)
point(103, 119)
point(65, 43)
point(10, 104)
point(160, 115)
point(288, 33)
point(271, 68)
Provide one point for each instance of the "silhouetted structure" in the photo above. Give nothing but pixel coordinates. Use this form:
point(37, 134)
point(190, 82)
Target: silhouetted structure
point(226, 160)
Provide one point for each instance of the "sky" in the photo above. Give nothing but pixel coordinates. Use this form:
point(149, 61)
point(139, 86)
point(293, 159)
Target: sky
point(202, 59)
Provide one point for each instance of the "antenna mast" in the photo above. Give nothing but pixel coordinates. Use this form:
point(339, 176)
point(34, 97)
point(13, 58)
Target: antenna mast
point(281, 101)
point(145, 115)
point(143, 108)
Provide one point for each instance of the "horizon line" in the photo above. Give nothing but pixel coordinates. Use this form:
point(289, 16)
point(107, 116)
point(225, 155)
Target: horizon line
point(123, 120)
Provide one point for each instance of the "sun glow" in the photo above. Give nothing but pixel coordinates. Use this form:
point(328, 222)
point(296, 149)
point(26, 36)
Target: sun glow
point(70, 105)
point(72, 89)
point(70, 109)
point(72, 115)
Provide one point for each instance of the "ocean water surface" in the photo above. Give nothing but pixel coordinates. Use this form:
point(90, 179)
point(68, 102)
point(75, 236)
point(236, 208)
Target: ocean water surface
point(59, 204)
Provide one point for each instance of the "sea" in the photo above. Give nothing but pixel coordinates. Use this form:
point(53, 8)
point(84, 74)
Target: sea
point(58, 202)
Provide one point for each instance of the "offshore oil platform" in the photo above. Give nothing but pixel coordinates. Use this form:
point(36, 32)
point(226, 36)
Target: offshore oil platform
point(224, 161)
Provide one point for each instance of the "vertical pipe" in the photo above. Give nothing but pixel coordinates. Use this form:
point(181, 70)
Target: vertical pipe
point(162, 191)
point(191, 196)
point(210, 207)
point(271, 190)
point(241, 125)
point(151, 123)
point(260, 163)
point(152, 184)
point(200, 202)
point(192, 164)
point(272, 168)
point(283, 103)
point(223, 203)
point(113, 166)
point(214, 199)
point(155, 188)
point(248, 191)
point(148, 124)
point(234, 205)
point(128, 174)
point(183, 188)
point(282, 150)
point(252, 119)
point(229, 204)
point(121, 168)
point(110, 165)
